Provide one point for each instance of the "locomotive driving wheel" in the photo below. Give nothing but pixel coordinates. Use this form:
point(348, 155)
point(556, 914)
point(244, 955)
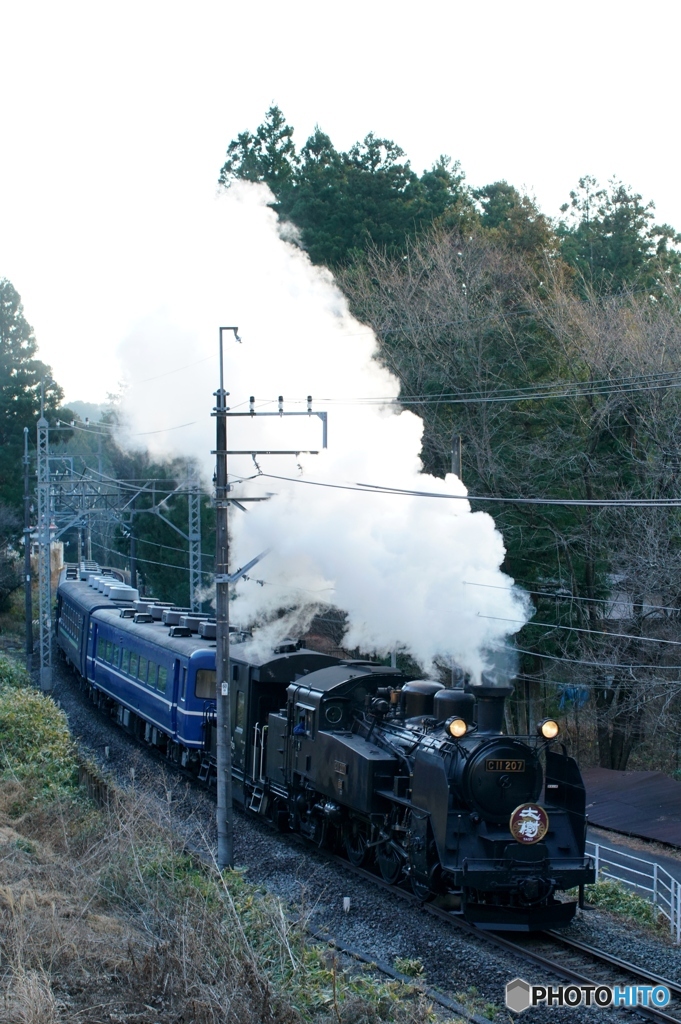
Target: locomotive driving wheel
point(389, 862)
point(356, 839)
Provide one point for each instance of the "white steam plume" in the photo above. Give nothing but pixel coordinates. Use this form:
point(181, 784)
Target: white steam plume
point(417, 573)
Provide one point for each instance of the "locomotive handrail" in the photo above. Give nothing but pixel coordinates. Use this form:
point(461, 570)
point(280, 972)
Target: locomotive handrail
point(256, 733)
point(264, 729)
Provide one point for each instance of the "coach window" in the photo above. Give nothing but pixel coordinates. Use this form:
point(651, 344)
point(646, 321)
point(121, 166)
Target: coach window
point(235, 673)
point(114, 655)
point(184, 683)
point(134, 658)
point(125, 660)
point(162, 678)
point(206, 681)
point(109, 648)
point(151, 678)
point(142, 670)
point(101, 648)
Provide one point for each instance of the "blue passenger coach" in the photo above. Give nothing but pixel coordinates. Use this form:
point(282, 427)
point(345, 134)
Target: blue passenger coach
point(158, 678)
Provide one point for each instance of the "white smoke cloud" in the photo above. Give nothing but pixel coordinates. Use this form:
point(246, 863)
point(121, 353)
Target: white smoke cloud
point(417, 573)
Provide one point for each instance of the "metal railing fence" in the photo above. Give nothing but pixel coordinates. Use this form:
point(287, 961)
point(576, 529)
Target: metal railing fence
point(645, 877)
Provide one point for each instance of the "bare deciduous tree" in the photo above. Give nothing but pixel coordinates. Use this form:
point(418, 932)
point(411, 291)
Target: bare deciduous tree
point(562, 395)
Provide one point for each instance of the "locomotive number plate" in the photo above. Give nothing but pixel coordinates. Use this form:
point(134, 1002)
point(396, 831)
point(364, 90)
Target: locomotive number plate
point(499, 764)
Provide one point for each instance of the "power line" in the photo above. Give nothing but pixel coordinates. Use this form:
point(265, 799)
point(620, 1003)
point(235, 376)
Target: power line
point(579, 629)
point(581, 661)
point(169, 547)
point(167, 373)
point(563, 502)
point(106, 430)
point(571, 597)
point(587, 684)
point(520, 393)
point(165, 565)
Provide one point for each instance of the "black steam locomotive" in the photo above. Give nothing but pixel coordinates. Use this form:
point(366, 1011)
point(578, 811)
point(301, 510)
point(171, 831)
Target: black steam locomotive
point(410, 778)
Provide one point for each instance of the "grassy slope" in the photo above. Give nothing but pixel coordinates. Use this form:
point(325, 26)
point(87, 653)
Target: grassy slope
point(104, 918)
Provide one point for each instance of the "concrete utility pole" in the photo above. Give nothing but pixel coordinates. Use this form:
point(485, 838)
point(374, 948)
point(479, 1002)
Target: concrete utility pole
point(28, 597)
point(225, 810)
point(44, 552)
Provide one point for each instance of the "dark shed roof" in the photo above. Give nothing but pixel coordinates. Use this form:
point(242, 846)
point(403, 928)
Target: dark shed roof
point(645, 804)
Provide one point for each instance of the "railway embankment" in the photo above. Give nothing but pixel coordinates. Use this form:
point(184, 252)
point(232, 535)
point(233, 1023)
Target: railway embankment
point(298, 878)
point(104, 916)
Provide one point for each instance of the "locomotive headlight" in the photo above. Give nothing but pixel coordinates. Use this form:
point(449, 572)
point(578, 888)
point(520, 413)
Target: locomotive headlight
point(548, 729)
point(457, 728)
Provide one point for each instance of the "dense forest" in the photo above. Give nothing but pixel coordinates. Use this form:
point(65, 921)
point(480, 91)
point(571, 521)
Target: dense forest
point(549, 349)
point(552, 350)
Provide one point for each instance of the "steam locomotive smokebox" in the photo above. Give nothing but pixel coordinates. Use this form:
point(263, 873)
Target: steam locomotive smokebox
point(489, 704)
point(418, 697)
point(454, 703)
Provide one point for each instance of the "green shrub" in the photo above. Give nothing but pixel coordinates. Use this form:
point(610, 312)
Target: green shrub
point(12, 673)
point(35, 744)
point(618, 899)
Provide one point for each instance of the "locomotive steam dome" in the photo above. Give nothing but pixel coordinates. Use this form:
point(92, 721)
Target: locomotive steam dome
point(454, 703)
point(418, 697)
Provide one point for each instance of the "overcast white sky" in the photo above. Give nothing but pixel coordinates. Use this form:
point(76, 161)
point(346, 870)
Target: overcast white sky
point(115, 120)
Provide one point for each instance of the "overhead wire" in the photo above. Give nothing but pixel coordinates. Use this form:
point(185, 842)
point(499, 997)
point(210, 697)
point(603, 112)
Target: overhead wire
point(169, 547)
point(520, 393)
point(517, 500)
point(582, 661)
point(570, 597)
point(580, 629)
point(166, 565)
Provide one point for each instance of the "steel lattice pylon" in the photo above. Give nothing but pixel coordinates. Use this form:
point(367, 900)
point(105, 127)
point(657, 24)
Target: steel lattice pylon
point(194, 502)
point(44, 556)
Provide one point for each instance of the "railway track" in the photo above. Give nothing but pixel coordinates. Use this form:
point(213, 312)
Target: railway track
point(581, 964)
point(559, 956)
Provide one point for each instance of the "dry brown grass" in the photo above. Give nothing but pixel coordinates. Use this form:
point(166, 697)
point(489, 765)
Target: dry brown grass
point(103, 919)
